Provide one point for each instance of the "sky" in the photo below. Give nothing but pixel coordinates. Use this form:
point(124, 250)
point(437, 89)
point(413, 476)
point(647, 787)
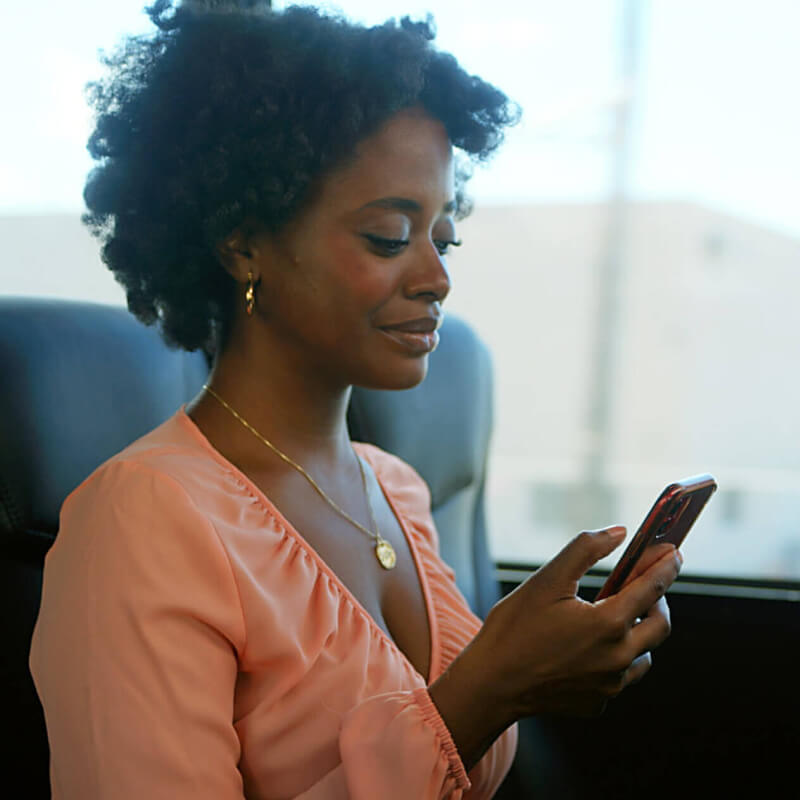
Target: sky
point(712, 99)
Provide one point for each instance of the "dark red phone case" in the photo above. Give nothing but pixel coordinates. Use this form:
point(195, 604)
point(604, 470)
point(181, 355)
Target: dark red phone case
point(669, 520)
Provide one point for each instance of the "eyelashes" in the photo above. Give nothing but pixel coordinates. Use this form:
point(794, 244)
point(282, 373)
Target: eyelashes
point(384, 246)
point(444, 245)
point(392, 247)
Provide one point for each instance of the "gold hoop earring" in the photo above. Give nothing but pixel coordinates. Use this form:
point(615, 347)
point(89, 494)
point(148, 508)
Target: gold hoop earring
point(250, 295)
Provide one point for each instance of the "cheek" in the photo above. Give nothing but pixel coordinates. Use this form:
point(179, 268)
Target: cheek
point(357, 280)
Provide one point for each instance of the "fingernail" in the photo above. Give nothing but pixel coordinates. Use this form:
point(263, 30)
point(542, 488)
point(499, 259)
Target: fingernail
point(616, 532)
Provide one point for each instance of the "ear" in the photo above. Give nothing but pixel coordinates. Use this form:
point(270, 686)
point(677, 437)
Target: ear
point(236, 255)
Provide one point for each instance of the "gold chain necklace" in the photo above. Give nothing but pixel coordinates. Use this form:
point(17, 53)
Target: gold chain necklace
point(384, 551)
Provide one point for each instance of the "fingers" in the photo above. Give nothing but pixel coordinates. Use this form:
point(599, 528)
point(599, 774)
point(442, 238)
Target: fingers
point(585, 550)
point(653, 629)
point(635, 646)
point(639, 596)
point(617, 682)
point(638, 669)
point(649, 557)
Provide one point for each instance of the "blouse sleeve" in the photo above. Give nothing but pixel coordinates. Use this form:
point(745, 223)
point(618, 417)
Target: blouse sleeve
point(134, 650)
point(135, 658)
point(394, 746)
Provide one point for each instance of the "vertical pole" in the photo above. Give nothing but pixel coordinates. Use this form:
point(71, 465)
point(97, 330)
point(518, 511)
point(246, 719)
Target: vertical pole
point(597, 494)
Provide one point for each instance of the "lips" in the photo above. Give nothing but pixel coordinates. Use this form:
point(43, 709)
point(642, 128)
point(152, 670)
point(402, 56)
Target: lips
point(421, 325)
point(416, 337)
point(427, 325)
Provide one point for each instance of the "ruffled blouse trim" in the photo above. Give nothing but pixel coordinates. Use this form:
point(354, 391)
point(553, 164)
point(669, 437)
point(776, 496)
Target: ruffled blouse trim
point(456, 624)
point(430, 714)
point(420, 563)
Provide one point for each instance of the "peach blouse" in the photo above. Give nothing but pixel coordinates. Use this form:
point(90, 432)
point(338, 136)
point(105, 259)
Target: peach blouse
point(192, 645)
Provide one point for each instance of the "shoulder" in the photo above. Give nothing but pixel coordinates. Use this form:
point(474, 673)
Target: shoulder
point(133, 510)
point(147, 519)
point(161, 496)
point(169, 461)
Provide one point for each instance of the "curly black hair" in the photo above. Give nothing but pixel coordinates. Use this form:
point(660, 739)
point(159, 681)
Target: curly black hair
point(229, 112)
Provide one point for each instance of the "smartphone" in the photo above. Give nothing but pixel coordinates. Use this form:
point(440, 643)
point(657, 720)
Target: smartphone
point(669, 520)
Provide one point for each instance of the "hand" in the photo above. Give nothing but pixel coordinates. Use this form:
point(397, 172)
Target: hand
point(547, 651)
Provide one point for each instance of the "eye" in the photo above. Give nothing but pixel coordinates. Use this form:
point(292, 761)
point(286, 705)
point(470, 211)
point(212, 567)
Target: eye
point(384, 246)
point(444, 245)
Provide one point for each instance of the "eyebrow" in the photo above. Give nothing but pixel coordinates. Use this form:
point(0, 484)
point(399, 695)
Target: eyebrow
point(405, 204)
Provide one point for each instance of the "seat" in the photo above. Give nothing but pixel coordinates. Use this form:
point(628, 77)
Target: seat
point(82, 380)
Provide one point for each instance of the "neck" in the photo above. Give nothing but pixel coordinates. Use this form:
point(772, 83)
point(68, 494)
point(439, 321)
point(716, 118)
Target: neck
point(297, 410)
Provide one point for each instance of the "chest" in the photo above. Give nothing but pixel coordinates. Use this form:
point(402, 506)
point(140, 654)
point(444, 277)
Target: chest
point(395, 598)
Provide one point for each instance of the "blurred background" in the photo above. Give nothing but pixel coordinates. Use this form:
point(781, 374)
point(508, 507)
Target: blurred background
point(633, 259)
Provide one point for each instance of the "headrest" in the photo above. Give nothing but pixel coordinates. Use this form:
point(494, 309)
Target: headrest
point(80, 381)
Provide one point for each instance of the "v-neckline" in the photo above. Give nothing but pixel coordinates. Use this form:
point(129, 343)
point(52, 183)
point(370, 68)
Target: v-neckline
point(434, 651)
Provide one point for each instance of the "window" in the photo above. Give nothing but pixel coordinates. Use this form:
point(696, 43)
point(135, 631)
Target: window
point(632, 261)
point(47, 56)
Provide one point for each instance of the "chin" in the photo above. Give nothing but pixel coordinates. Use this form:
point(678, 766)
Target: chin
point(405, 376)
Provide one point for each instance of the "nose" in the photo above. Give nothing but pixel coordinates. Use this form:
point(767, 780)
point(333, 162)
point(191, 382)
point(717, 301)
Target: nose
point(429, 275)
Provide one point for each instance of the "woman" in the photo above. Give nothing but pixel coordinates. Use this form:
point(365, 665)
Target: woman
point(243, 602)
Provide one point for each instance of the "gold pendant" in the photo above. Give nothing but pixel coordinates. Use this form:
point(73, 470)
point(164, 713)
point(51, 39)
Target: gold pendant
point(385, 553)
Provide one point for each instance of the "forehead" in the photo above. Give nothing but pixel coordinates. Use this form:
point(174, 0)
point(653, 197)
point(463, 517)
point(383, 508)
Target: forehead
point(409, 156)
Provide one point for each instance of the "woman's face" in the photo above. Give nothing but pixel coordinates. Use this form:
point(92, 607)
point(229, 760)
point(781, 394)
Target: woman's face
point(353, 285)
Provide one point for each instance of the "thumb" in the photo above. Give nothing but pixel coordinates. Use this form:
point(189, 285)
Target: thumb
point(584, 551)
